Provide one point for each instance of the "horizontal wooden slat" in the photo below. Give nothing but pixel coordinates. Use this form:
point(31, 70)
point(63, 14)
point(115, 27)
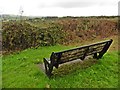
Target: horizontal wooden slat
point(67, 58)
point(75, 53)
point(90, 45)
point(63, 61)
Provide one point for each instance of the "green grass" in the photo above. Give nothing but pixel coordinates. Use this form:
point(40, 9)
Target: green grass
point(20, 70)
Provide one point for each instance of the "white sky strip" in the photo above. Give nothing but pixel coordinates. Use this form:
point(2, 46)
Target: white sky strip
point(60, 7)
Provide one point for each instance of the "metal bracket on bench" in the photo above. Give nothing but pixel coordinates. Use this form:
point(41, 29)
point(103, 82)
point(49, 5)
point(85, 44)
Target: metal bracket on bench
point(82, 58)
point(107, 45)
point(54, 61)
point(104, 50)
point(95, 56)
point(48, 67)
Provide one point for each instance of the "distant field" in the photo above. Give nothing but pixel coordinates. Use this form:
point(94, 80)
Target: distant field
point(21, 70)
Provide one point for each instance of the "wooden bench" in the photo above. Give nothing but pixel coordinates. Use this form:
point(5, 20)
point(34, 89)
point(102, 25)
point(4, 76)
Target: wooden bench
point(97, 50)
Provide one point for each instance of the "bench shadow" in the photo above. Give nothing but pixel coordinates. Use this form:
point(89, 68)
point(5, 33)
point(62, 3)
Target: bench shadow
point(41, 67)
point(71, 67)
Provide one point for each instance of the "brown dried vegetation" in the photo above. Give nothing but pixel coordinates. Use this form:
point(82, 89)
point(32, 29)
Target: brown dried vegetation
point(21, 35)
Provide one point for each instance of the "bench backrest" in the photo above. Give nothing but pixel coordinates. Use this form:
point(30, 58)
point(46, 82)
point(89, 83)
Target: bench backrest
point(80, 52)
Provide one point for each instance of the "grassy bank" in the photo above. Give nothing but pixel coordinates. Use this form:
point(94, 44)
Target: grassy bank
point(20, 70)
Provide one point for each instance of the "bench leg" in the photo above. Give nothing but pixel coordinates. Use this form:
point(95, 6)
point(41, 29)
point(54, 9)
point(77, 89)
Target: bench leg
point(48, 68)
point(105, 49)
point(95, 56)
point(107, 45)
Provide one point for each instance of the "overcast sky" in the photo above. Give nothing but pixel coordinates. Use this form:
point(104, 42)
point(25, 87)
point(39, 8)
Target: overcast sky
point(60, 7)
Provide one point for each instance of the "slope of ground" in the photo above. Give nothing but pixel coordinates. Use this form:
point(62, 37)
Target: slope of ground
point(20, 70)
